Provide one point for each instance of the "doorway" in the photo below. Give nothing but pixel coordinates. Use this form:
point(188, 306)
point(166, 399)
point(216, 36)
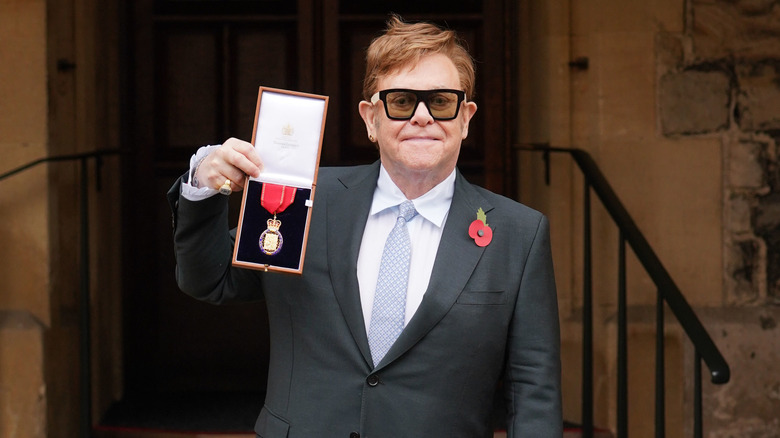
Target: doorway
point(193, 71)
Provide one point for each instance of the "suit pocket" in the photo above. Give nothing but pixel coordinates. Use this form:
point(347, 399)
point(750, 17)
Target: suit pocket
point(492, 297)
point(269, 425)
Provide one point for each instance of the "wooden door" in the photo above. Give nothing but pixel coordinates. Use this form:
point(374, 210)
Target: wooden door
point(194, 69)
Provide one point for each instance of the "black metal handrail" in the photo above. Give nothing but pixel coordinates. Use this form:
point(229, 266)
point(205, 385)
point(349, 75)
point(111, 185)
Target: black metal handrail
point(667, 292)
point(85, 363)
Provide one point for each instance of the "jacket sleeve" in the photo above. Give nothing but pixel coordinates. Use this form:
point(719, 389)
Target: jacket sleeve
point(533, 369)
point(203, 246)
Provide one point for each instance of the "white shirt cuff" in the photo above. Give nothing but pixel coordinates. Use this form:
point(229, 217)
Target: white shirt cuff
point(197, 193)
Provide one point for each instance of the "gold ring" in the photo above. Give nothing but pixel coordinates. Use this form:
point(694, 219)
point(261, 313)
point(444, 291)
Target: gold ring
point(225, 188)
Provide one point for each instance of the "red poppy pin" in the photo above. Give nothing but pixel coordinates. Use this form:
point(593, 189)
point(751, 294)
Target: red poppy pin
point(480, 231)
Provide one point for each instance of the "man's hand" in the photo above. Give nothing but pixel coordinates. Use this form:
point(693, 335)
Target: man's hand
point(232, 161)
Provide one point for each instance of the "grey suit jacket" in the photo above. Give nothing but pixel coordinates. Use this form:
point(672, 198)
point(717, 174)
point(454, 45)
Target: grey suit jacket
point(488, 313)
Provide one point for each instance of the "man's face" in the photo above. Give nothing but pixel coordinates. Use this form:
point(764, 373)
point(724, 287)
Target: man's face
point(421, 146)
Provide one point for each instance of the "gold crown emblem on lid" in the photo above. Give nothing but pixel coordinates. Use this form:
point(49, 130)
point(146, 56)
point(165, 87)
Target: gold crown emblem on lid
point(287, 129)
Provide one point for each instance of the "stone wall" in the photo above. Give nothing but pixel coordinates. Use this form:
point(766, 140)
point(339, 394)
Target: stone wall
point(24, 238)
point(23, 138)
point(721, 78)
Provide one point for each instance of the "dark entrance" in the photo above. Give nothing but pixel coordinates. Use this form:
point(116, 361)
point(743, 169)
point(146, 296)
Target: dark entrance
point(193, 68)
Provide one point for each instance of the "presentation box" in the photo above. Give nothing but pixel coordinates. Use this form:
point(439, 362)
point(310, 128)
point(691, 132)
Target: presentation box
point(273, 225)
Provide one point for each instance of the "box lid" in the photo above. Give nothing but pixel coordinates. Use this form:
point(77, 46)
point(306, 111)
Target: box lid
point(287, 136)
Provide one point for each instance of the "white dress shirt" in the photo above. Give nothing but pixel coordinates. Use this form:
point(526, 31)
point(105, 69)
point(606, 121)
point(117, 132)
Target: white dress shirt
point(425, 231)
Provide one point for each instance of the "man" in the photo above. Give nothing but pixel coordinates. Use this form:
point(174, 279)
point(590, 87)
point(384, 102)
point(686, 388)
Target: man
point(471, 308)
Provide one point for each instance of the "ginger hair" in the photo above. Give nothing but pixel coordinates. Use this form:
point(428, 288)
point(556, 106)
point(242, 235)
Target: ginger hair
point(403, 44)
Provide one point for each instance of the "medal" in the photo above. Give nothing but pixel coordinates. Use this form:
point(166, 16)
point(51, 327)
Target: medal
point(275, 199)
point(271, 239)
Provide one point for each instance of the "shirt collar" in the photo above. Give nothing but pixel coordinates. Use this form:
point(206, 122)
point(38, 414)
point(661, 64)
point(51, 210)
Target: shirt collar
point(433, 205)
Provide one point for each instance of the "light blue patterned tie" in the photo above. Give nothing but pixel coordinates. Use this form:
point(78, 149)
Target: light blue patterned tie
point(387, 316)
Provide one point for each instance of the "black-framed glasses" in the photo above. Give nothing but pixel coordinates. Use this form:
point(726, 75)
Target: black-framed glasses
point(401, 103)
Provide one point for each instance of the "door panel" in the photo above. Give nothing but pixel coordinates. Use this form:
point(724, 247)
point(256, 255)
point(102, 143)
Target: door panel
point(188, 88)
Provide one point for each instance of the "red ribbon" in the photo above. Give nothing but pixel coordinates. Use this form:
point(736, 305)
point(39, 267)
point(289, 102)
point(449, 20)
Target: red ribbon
point(275, 198)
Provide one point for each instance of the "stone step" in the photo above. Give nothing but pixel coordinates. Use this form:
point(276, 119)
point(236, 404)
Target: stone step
point(570, 431)
point(101, 432)
point(206, 415)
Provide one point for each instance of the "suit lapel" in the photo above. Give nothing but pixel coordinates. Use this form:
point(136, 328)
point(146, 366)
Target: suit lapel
point(347, 211)
point(456, 259)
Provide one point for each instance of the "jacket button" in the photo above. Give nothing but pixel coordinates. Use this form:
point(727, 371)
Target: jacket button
point(373, 380)
point(354, 435)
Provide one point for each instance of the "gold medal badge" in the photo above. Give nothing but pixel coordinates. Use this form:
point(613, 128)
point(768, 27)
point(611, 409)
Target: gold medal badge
point(271, 239)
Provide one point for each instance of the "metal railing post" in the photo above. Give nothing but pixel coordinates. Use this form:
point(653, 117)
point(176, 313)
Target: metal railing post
point(587, 320)
point(622, 343)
